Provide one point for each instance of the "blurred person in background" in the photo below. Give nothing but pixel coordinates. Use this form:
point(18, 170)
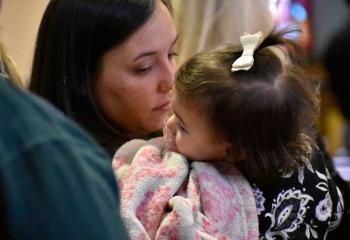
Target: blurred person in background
point(337, 65)
point(55, 182)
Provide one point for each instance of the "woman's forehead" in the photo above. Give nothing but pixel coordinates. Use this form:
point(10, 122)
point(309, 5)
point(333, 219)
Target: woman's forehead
point(157, 34)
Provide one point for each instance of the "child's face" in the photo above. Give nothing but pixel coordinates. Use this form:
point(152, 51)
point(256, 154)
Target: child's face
point(190, 134)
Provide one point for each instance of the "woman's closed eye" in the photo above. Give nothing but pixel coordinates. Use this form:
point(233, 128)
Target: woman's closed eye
point(144, 70)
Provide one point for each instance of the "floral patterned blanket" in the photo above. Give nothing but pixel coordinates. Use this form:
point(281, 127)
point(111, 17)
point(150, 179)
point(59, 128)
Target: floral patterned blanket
point(162, 197)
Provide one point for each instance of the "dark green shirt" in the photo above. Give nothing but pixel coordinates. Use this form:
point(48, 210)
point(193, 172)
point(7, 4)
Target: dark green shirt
point(55, 182)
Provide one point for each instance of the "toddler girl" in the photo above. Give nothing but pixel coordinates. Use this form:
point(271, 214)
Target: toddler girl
point(246, 113)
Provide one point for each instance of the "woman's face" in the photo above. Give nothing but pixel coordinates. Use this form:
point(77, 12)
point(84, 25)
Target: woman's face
point(135, 78)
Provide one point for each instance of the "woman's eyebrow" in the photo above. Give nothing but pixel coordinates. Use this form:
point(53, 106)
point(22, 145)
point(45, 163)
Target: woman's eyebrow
point(149, 53)
point(144, 54)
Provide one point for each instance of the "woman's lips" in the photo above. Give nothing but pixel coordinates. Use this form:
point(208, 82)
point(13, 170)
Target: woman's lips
point(164, 107)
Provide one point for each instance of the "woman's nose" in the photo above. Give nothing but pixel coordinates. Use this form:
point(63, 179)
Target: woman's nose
point(167, 77)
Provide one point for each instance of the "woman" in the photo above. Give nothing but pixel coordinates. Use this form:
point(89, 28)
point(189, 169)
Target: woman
point(107, 64)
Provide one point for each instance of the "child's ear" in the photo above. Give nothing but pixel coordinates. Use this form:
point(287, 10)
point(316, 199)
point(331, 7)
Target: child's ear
point(229, 152)
point(241, 155)
point(227, 148)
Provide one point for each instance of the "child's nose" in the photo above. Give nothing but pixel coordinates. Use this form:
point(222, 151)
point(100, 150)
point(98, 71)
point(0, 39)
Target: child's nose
point(170, 125)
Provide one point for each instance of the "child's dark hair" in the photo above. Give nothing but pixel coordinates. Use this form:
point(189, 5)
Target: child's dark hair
point(266, 113)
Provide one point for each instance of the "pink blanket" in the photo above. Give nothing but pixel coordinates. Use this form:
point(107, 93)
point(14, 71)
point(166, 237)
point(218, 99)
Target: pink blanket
point(162, 197)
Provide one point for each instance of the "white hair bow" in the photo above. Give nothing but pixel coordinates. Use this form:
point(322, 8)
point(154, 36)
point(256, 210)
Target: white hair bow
point(249, 43)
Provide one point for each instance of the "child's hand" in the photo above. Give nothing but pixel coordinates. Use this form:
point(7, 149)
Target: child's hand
point(169, 142)
point(162, 143)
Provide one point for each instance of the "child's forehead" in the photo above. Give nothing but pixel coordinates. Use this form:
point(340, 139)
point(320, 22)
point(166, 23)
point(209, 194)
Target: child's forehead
point(177, 98)
point(179, 101)
point(179, 104)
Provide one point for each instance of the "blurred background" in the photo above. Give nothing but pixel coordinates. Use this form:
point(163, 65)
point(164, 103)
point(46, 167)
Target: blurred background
point(207, 24)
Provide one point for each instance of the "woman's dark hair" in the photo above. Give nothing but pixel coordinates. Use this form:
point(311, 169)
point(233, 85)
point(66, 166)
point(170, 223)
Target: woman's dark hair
point(73, 36)
point(265, 113)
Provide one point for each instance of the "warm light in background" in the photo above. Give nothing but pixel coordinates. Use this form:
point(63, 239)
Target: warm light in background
point(294, 13)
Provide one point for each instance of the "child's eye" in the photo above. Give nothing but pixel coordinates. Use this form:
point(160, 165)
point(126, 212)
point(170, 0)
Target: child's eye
point(181, 128)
